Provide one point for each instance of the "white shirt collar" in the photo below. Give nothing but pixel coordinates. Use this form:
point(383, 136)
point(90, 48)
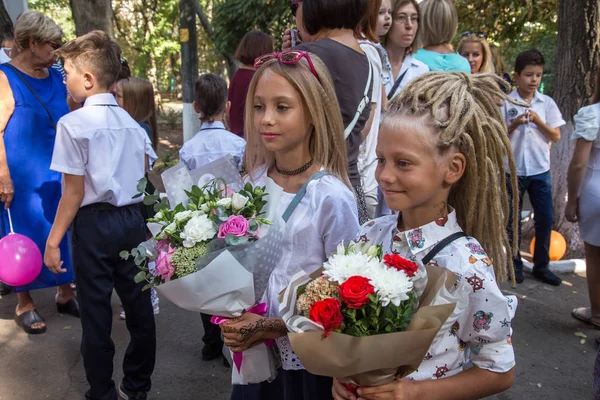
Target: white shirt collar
point(424, 237)
point(212, 125)
point(104, 99)
point(537, 96)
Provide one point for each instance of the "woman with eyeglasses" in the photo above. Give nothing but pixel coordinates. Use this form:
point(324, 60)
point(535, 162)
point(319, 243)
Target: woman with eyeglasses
point(33, 99)
point(439, 22)
point(476, 49)
point(327, 28)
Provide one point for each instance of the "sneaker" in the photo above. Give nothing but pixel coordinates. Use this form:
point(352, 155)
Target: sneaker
point(211, 352)
point(547, 276)
point(127, 395)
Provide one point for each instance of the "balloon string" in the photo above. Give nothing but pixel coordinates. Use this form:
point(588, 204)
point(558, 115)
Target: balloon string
point(10, 221)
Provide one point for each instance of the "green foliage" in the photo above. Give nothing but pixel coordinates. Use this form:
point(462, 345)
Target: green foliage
point(232, 19)
point(59, 11)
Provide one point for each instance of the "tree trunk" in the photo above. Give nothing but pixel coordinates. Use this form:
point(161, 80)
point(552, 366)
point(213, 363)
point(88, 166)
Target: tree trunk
point(206, 25)
point(90, 15)
point(578, 51)
point(6, 25)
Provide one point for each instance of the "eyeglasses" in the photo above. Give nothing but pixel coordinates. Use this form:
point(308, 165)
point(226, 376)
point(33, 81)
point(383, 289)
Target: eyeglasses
point(405, 19)
point(481, 35)
point(294, 5)
point(287, 58)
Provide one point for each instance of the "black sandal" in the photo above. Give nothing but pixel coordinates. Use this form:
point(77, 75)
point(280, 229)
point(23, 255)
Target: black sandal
point(27, 319)
point(5, 289)
point(71, 307)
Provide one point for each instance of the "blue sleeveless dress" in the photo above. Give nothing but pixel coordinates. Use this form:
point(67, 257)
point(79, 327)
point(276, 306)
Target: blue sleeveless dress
point(29, 141)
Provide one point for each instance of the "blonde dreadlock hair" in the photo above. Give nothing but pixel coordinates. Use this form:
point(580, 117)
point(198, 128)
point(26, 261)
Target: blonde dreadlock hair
point(466, 115)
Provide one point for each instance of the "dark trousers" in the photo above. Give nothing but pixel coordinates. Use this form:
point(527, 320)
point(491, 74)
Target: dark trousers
point(212, 333)
point(289, 385)
point(100, 231)
point(539, 188)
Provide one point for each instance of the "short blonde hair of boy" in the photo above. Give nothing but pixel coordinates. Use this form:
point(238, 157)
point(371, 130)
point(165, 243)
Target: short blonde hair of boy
point(466, 118)
point(138, 101)
point(35, 25)
point(327, 144)
point(98, 53)
point(487, 65)
point(439, 20)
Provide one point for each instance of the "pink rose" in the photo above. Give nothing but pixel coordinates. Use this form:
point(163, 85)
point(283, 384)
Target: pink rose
point(163, 263)
point(236, 225)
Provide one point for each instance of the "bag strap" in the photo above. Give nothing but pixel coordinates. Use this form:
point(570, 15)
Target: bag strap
point(22, 78)
point(363, 103)
point(438, 247)
point(395, 87)
point(298, 198)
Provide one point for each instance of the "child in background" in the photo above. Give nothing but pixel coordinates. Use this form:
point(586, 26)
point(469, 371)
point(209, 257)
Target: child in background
point(97, 202)
point(441, 153)
point(384, 21)
point(532, 130)
point(213, 141)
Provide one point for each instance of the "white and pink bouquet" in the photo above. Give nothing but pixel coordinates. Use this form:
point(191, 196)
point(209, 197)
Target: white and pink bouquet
point(215, 250)
point(366, 317)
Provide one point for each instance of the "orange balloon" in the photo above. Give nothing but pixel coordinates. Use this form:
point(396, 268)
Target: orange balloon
point(558, 246)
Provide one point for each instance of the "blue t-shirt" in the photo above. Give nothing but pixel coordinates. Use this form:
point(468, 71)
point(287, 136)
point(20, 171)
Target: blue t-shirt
point(452, 62)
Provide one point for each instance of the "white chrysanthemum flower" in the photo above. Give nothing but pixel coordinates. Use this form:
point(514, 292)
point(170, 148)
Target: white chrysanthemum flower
point(238, 201)
point(225, 202)
point(198, 229)
point(204, 208)
point(183, 215)
point(340, 267)
point(391, 285)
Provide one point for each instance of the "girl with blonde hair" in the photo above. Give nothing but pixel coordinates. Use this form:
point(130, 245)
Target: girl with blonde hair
point(136, 96)
point(295, 139)
point(441, 150)
point(476, 49)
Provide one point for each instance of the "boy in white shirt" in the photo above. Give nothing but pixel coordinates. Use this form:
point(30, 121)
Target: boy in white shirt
point(213, 141)
point(101, 152)
point(532, 130)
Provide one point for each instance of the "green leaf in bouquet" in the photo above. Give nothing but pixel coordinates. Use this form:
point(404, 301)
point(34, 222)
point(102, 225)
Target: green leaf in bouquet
point(253, 225)
point(151, 199)
point(140, 277)
point(179, 208)
point(135, 252)
point(301, 290)
point(141, 186)
point(192, 207)
point(233, 240)
point(139, 259)
point(351, 314)
point(146, 287)
point(163, 205)
point(196, 191)
point(124, 254)
point(248, 187)
point(221, 214)
point(138, 195)
point(353, 330)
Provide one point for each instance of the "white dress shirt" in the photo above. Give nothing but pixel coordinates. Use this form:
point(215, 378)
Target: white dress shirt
point(4, 52)
point(367, 159)
point(531, 148)
point(410, 65)
point(212, 142)
point(483, 332)
point(102, 143)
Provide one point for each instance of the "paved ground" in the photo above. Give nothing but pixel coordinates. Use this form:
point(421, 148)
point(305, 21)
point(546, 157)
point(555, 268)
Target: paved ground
point(551, 361)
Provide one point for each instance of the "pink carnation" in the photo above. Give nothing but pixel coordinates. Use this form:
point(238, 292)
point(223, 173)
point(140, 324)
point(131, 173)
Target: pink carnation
point(236, 225)
point(163, 263)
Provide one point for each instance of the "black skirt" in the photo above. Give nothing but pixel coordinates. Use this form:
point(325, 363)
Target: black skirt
point(289, 385)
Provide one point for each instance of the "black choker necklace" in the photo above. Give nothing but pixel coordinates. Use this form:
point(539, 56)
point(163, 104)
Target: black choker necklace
point(296, 171)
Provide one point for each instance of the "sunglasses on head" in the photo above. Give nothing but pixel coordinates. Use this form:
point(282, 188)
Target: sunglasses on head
point(481, 35)
point(294, 6)
point(287, 58)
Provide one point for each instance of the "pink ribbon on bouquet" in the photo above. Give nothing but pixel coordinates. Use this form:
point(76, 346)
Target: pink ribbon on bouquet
point(259, 309)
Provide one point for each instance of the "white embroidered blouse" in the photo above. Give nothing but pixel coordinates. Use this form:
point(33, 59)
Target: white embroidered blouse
point(482, 334)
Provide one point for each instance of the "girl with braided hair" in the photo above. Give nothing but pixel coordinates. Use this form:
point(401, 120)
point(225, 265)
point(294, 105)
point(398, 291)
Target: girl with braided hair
point(441, 151)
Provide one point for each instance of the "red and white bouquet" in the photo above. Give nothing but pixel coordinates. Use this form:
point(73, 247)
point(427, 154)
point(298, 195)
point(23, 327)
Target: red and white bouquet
point(365, 317)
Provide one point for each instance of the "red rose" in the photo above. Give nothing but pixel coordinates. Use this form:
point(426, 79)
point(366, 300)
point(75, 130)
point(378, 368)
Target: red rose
point(355, 291)
point(401, 264)
point(328, 313)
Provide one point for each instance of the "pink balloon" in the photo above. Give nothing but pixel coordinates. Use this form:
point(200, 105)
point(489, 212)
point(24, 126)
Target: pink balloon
point(20, 260)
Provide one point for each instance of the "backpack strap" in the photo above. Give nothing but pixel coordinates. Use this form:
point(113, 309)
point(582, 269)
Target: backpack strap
point(22, 78)
point(438, 247)
point(298, 198)
point(363, 103)
point(396, 84)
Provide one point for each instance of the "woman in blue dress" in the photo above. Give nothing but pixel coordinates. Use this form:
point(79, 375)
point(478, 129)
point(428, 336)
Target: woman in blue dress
point(33, 100)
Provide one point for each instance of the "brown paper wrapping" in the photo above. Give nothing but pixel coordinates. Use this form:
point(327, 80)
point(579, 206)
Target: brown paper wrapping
point(377, 360)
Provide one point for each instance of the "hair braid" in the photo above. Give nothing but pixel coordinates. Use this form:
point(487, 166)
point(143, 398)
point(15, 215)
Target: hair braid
point(465, 112)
